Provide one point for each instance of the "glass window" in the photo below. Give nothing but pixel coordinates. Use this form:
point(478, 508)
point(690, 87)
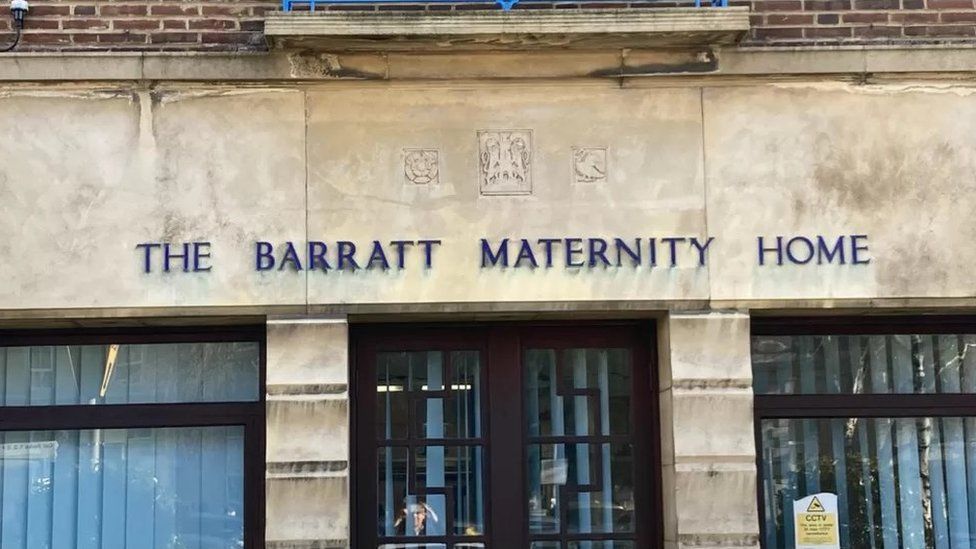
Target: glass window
point(57, 375)
point(881, 417)
point(132, 488)
point(864, 364)
point(130, 441)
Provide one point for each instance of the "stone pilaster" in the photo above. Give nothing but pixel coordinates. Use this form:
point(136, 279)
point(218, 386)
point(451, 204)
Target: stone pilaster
point(308, 434)
point(708, 447)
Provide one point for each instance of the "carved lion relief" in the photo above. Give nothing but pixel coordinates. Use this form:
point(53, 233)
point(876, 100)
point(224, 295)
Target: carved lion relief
point(505, 161)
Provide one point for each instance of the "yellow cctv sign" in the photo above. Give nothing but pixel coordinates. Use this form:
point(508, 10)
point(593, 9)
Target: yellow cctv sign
point(815, 522)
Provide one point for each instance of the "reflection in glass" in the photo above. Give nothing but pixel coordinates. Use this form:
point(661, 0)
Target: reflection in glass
point(139, 374)
point(602, 474)
point(437, 490)
point(856, 364)
point(122, 488)
point(585, 394)
point(901, 482)
point(414, 495)
point(606, 411)
point(404, 377)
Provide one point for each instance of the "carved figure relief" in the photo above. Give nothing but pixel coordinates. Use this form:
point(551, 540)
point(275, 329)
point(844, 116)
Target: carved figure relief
point(421, 166)
point(506, 161)
point(589, 164)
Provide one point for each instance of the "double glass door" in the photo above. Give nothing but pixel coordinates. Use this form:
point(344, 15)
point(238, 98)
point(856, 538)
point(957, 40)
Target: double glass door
point(505, 437)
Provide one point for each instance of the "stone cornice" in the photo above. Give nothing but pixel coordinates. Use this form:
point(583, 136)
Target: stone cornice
point(498, 30)
point(701, 64)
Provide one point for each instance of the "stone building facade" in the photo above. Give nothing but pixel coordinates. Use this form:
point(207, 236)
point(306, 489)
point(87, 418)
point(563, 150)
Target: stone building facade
point(337, 185)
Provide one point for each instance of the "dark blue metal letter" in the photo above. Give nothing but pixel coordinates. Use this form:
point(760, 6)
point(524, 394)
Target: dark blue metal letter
point(778, 249)
point(492, 258)
point(855, 249)
point(290, 257)
point(823, 251)
point(635, 256)
point(377, 255)
point(201, 250)
point(264, 256)
point(547, 243)
point(525, 253)
point(401, 249)
point(346, 252)
point(184, 257)
point(598, 248)
point(810, 250)
point(702, 249)
point(148, 246)
point(673, 244)
point(572, 251)
point(429, 251)
point(316, 255)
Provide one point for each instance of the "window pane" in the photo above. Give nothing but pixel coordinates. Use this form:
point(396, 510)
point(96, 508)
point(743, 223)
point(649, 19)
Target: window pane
point(594, 482)
point(124, 488)
point(404, 380)
point(414, 495)
point(856, 364)
point(129, 374)
point(901, 482)
point(601, 375)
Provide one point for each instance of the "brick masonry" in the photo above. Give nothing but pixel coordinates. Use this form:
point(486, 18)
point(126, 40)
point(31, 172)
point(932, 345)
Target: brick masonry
point(226, 25)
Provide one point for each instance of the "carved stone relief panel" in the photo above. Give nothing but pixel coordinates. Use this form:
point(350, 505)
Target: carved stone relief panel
point(505, 163)
point(589, 165)
point(421, 166)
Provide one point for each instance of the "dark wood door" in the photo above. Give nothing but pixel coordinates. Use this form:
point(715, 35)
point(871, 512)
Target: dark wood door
point(505, 436)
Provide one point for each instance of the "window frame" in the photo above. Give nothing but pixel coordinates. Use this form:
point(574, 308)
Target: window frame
point(867, 406)
point(249, 415)
point(501, 346)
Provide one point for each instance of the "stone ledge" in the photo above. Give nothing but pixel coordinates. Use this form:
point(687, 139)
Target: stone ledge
point(500, 30)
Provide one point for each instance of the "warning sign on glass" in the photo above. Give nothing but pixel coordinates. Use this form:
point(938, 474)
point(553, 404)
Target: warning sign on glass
point(815, 522)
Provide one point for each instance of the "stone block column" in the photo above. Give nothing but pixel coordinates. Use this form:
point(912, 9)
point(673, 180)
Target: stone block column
point(708, 446)
point(307, 433)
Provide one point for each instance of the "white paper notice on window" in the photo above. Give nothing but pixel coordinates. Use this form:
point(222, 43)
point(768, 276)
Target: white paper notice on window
point(47, 449)
point(815, 522)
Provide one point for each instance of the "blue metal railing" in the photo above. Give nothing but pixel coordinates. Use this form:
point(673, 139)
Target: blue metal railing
point(505, 5)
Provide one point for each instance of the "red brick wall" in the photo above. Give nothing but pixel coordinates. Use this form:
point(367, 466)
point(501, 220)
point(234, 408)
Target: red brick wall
point(799, 22)
point(228, 25)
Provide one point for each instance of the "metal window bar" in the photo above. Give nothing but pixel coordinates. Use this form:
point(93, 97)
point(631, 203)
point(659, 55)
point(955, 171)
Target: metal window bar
point(505, 5)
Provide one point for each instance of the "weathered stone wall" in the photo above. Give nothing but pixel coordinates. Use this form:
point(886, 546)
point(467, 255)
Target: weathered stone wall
point(88, 173)
point(307, 486)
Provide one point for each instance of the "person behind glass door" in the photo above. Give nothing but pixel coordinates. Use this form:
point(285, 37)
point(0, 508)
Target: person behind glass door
point(419, 512)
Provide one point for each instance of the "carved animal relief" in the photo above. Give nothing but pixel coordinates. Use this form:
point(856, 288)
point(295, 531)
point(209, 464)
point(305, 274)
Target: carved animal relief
point(506, 161)
point(589, 165)
point(421, 166)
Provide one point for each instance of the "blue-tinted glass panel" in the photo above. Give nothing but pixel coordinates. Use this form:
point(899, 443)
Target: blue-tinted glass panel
point(129, 374)
point(864, 364)
point(900, 482)
point(122, 488)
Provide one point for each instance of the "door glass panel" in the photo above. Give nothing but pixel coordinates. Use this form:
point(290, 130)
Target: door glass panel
point(579, 477)
point(427, 486)
point(590, 397)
